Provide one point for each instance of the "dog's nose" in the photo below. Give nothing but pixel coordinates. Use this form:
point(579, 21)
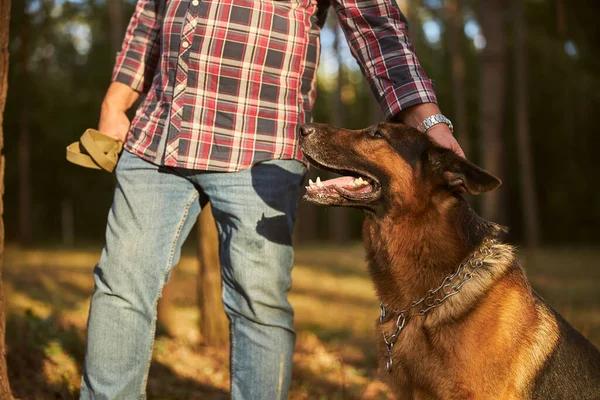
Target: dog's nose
point(306, 130)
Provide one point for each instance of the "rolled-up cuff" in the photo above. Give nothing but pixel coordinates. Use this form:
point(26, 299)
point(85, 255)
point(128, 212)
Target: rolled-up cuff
point(130, 74)
point(129, 81)
point(399, 98)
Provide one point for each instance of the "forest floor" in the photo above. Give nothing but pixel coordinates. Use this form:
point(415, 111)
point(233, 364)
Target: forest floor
point(48, 291)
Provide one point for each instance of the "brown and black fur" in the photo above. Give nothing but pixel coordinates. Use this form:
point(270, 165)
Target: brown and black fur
point(496, 339)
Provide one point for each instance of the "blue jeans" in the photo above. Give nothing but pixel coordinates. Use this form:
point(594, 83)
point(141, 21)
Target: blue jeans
point(153, 212)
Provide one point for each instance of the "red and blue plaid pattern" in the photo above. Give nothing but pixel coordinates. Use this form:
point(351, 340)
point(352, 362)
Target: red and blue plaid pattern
point(228, 82)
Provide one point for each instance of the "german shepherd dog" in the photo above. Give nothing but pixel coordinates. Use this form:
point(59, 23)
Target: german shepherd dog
point(459, 319)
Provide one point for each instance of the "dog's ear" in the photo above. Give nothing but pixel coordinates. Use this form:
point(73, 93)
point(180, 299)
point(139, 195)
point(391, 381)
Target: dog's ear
point(460, 175)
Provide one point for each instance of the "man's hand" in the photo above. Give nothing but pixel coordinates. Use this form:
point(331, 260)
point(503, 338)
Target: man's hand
point(113, 118)
point(113, 122)
point(440, 133)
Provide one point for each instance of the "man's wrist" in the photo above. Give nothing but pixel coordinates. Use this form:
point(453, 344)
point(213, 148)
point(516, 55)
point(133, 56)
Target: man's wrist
point(434, 120)
point(415, 116)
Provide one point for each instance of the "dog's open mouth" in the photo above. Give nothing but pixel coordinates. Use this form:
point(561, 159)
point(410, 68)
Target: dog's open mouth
point(351, 187)
point(345, 186)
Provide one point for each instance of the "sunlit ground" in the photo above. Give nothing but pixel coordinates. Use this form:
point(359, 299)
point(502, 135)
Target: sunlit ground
point(47, 299)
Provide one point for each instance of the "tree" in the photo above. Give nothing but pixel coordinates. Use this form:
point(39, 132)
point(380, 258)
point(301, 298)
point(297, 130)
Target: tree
point(24, 158)
point(4, 25)
point(213, 322)
point(115, 16)
point(306, 222)
point(338, 217)
point(492, 100)
point(409, 8)
point(454, 18)
point(528, 192)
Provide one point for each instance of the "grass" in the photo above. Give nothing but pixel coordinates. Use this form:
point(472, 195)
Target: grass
point(47, 300)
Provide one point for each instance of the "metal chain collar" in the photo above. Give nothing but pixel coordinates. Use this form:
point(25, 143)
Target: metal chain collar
point(450, 286)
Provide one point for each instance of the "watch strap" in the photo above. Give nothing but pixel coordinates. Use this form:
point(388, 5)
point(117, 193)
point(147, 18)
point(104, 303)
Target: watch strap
point(434, 120)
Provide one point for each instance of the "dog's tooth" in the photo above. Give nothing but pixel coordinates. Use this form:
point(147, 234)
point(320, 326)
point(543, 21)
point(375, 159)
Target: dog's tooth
point(310, 182)
point(319, 183)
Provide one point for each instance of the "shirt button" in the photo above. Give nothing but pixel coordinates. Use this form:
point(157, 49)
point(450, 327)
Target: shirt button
point(185, 45)
point(195, 3)
point(180, 87)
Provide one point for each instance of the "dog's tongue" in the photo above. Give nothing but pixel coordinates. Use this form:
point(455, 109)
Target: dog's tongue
point(344, 182)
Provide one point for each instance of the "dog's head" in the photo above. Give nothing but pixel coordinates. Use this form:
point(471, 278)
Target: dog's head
point(387, 165)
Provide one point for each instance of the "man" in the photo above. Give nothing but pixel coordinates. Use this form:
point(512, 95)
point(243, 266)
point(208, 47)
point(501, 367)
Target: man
point(226, 85)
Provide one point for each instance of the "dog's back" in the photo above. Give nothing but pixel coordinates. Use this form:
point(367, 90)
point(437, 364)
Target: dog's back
point(571, 370)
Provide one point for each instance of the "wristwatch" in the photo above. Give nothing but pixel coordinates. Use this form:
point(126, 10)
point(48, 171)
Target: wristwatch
point(434, 120)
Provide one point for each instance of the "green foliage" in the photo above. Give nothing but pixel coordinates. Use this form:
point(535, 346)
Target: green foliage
point(61, 60)
point(56, 90)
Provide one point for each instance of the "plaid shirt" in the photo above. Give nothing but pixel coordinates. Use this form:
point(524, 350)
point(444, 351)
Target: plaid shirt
point(227, 82)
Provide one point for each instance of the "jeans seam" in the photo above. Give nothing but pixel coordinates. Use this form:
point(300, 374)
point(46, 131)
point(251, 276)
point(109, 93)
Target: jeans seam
point(280, 381)
point(232, 355)
point(167, 270)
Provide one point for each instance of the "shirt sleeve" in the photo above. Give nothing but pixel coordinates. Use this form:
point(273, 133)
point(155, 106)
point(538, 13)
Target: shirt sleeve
point(136, 62)
point(376, 31)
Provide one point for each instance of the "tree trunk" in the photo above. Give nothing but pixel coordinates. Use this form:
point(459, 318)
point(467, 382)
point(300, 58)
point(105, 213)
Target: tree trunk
point(164, 311)
point(115, 16)
point(375, 115)
point(561, 19)
point(405, 7)
point(492, 100)
point(24, 179)
point(306, 222)
point(338, 221)
point(23, 140)
point(410, 9)
point(457, 63)
point(67, 222)
point(214, 326)
point(528, 192)
point(5, 392)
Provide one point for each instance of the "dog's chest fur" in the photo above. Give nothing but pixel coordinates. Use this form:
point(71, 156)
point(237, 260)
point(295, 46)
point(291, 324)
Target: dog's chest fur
point(459, 359)
point(453, 351)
